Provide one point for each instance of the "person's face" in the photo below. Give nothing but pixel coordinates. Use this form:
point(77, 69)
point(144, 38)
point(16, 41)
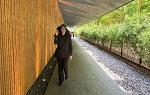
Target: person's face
point(63, 29)
point(57, 31)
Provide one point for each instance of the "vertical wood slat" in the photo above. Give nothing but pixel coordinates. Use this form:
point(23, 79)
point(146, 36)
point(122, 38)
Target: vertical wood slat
point(26, 41)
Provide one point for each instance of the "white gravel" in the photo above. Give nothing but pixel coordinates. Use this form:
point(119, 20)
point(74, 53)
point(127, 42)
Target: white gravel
point(129, 79)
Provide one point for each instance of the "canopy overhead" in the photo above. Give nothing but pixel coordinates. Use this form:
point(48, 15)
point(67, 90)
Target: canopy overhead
point(78, 12)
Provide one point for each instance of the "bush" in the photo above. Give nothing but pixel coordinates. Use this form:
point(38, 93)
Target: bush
point(134, 32)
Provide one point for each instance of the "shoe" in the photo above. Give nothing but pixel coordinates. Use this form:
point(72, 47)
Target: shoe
point(60, 83)
point(66, 77)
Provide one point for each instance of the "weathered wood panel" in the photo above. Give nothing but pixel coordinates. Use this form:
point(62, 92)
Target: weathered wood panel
point(26, 41)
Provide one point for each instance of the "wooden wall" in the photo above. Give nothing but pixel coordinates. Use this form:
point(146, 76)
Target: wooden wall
point(26, 41)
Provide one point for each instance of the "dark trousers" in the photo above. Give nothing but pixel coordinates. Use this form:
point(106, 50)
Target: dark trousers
point(62, 68)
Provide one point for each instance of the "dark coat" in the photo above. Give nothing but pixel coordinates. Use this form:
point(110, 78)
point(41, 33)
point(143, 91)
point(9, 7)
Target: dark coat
point(64, 45)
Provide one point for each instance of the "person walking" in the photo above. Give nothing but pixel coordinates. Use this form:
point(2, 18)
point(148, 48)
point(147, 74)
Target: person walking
point(63, 51)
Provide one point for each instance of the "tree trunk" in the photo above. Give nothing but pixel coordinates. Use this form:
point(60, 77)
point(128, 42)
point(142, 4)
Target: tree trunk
point(110, 45)
point(140, 61)
point(121, 48)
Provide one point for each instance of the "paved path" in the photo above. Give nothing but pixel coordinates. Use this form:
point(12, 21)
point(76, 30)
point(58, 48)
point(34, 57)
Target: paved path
point(86, 77)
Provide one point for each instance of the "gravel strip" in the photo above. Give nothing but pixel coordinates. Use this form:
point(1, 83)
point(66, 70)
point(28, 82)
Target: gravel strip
point(129, 79)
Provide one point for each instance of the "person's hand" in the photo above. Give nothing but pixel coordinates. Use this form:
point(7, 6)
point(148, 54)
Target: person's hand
point(70, 57)
point(56, 33)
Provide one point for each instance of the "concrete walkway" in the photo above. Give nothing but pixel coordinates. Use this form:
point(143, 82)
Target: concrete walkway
point(86, 77)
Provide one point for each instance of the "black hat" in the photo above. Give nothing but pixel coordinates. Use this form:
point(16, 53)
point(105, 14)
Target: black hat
point(63, 25)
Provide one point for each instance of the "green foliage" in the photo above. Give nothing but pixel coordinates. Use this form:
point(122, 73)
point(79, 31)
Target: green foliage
point(130, 9)
point(128, 25)
point(144, 43)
